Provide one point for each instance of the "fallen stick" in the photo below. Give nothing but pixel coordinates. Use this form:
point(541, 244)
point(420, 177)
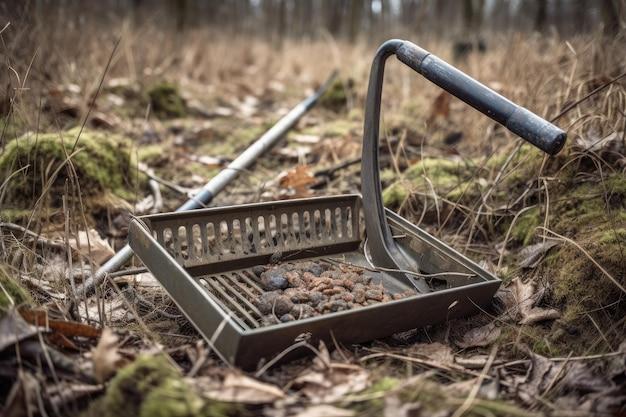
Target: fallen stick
point(221, 180)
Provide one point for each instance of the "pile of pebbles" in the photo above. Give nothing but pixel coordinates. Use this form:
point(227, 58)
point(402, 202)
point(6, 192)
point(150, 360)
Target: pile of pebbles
point(306, 289)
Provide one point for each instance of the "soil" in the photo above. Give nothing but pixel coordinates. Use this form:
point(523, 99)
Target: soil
point(312, 288)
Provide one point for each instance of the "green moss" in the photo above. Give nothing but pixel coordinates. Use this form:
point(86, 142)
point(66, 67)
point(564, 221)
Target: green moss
point(166, 101)
point(14, 215)
point(525, 226)
point(449, 179)
point(103, 163)
point(395, 194)
point(11, 292)
point(594, 216)
point(151, 154)
point(612, 237)
point(432, 398)
point(151, 386)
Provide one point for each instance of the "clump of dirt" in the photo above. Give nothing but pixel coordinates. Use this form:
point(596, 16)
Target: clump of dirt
point(151, 386)
point(336, 97)
point(308, 289)
point(166, 101)
point(39, 164)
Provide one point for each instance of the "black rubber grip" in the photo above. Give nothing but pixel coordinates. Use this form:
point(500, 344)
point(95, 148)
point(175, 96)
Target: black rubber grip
point(517, 119)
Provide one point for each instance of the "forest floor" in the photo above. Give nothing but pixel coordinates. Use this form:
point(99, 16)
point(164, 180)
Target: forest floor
point(76, 147)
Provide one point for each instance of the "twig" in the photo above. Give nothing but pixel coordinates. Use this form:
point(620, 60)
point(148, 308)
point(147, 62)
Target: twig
point(37, 237)
point(591, 94)
point(467, 404)
point(508, 233)
point(175, 187)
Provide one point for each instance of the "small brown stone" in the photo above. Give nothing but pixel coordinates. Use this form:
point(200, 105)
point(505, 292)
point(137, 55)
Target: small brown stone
point(287, 317)
point(265, 302)
point(282, 305)
point(374, 294)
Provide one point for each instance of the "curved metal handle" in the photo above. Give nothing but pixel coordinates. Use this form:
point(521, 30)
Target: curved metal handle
point(541, 133)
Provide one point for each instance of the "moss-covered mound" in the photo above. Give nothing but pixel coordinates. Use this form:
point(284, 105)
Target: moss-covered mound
point(449, 179)
point(152, 387)
point(583, 203)
point(166, 101)
point(102, 163)
point(11, 292)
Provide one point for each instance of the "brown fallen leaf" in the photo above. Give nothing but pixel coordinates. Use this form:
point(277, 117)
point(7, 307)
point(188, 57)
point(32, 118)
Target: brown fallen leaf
point(530, 256)
point(326, 381)
point(65, 327)
point(242, 389)
point(89, 243)
point(518, 302)
point(298, 179)
point(526, 297)
point(436, 352)
point(440, 107)
point(480, 336)
point(105, 356)
point(542, 375)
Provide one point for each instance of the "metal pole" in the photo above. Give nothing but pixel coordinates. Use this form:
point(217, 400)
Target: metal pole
point(221, 180)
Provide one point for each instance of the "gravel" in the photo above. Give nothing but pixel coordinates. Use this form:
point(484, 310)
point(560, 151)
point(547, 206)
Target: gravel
point(311, 288)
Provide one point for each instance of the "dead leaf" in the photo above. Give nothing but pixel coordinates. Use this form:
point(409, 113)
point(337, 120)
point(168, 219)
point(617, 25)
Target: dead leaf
point(243, 389)
point(531, 255)
point(324, 411)
point(14, 329)
point(591, 143)
point(65, 327)
point(89, 243)
point(333, 383)
point(298, 180)
point(526, 297)
point(436, 352)
point(106, 359)
point(480, 336)
point(440, 107)
point(543, 374)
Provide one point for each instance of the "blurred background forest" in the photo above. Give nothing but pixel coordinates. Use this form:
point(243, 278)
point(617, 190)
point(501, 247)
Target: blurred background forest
point(347, 19)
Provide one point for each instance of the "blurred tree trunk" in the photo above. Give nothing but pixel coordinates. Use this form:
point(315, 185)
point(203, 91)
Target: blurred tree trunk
point(333, 11)
point(282, 21)
point(180, 14)
point(473, 15)
point(541, 15)
point(303, 11)
point(581, 7)
point(385, 16)
point(356, 9)
point(610, 17)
